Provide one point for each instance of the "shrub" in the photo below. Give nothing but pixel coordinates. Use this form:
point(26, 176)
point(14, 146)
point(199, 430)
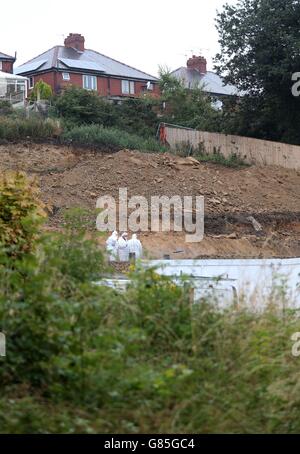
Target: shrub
point(137, 116)
point(110, 139)
point(84, 358)
point(78, 107)
point(5, 108)
point(27, 128)
point(40, 91)
point(21, 212)
point(233, 160)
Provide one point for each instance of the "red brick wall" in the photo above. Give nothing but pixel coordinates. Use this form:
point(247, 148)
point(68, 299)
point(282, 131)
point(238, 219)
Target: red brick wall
point(139, 88)
point(77, 81)
point(105, 86)
point(7, 66)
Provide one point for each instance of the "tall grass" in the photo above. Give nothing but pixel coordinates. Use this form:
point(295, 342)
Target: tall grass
point(110, 138)
point(13, 129)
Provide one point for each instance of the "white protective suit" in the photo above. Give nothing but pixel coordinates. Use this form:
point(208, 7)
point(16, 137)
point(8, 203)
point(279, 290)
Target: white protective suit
point(112, 247)
point(135, 246)
point(123, 249)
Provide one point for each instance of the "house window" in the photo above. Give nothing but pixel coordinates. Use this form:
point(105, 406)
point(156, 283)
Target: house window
point(0, 65)
point(66, 76)
point(127, 87)
point(31, 82)
point(89, 82)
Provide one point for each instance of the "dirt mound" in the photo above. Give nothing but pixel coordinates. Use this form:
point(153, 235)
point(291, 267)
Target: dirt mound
point(270, 195)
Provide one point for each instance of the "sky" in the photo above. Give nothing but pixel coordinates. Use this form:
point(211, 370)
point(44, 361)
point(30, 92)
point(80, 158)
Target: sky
point(144, 34)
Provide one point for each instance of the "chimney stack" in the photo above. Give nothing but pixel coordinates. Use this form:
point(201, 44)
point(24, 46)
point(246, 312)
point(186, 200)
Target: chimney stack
point(197, 63)
point(76, 41)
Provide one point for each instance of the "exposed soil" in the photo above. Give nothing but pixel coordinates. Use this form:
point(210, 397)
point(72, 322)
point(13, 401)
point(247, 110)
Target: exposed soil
point(271, 195)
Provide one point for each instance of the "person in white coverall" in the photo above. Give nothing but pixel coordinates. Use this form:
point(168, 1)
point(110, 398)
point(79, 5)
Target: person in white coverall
point(112, 246)
point(135, 246)
point(123, 249)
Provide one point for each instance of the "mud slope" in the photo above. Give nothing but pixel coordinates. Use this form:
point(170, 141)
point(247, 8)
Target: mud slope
point(271, 195)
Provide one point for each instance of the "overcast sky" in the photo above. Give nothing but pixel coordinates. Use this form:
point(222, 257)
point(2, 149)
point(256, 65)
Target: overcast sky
point(143, 34)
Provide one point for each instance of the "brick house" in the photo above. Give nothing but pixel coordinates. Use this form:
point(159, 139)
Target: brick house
point(73, 64)
point(195, 74)
point(7, 63)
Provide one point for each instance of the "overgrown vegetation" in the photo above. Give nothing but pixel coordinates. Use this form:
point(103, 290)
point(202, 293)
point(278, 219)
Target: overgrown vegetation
point(185, 149)
point(189, 107)
point(110, 139)
point(79, 107)
point(16, 128)
point(83, 358)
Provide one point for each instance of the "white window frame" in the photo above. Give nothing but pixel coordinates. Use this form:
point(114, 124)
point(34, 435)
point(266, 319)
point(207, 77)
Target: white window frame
point(1, 65)
point(127, 87)
point(89, 86)
point(66, 76)
point(30, 85)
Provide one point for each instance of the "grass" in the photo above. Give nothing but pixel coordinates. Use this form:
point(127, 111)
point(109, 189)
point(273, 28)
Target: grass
point(17, 128)
point(186, 149)
point(14, 129)
point(84, 358)
point(110, 138)
point(217, 158)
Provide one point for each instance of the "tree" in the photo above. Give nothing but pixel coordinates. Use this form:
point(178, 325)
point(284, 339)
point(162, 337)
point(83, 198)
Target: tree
point(137, 115)
point(187, 107)
point(260, 45)
point(78, 106)
point(40, 91)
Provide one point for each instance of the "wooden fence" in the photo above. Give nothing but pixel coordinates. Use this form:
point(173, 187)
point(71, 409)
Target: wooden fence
point(252, 151)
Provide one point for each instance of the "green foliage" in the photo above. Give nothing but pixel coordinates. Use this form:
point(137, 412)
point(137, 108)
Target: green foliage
point(79, 107)
point(41, 91)
point(186, 149)
point(137, 116)
point(83, 358)
point(27, 128)
point(21, 212)
point(259, 54)
point(189, 107)
point(5, 108)
point(110, 139)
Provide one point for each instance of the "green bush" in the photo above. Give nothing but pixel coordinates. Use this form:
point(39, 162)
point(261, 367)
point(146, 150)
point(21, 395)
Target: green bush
point(84, 358)
point(110, 139)
point(5, 108)
point(41, 91)
point(27, 128)
point(77, 106)
point(21, 212)
point(137, 116)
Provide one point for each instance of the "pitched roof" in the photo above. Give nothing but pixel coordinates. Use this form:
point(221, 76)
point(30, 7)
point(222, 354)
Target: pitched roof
point(6, 57)
point(211, 82)
point(67, 58)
